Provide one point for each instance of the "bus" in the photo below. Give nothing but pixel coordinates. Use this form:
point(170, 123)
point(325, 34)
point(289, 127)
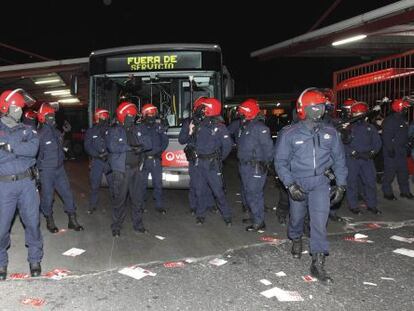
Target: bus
point(170, 76)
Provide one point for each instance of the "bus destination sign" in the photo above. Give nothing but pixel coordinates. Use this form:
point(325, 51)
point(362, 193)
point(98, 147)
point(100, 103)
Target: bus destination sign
point(154, 61)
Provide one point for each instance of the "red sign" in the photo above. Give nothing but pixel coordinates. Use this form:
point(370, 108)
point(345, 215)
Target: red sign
point(374, 77)
point(174, 158)
point(18, 276)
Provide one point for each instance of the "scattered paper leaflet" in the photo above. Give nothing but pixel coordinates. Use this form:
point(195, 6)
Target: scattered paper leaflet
point(217, 262)
point(404, 251)
point(402, 239)
point(265, 282)
point(282, 295)
point(136, 272)
point(74, 252)
point(35, 302)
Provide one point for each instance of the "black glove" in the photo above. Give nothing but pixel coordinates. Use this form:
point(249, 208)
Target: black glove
point(391, 153)
point(336, 194)
point(5, 147)
point(296, 192)
point(372, 154)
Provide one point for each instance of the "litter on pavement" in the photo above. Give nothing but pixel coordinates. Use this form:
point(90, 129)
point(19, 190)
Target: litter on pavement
point(387, 279)
point(159, 237)
point(360, 236)
point(35, 302)
point(265, 282)
point(404, 251)
point(402, 239)
point(282, 295)
point(74, 252)
point(18, 276)
point(309, 278)
point(280, 273)
point(369, 283)
point(353, 239)
point(174, 264)
point(217, 262)
point(57, 274)
point(136, 272)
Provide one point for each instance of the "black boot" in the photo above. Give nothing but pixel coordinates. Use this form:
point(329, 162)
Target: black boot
point(227, 221)
point(50, 224)
point(256, 227)
point(297, 248)
point(91, 210)
point(200, 221)
point(3, 273)
point(282, 220)
point(73, 223)
point(35, 269)
point(407, 195)
point(162, 211)
point(318, 268)
point(374, 210)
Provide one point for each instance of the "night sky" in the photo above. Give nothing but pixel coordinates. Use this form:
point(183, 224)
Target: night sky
point(60, 29)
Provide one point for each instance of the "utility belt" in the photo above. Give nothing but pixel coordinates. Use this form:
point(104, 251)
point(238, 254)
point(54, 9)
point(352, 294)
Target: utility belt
point(29, 173)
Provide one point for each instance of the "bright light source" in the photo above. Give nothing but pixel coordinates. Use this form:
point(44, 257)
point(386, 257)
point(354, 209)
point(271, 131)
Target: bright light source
point(72, 100)
point(48, 81)
point(347, 40)
point(58, 92)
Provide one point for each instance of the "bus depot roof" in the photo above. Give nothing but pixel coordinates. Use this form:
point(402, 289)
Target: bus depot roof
point(388, 30)
point(49, 81)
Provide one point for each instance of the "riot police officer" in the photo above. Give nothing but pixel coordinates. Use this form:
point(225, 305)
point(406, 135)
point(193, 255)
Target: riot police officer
point(157, 133)
point(18, 148)
point(363, 144)
point(95, 147)
point(254, 152)
point(303, 153)
point(52, 172)
point(185, 138)
point(395, 141)
point(126, 145)
point(30, 118)
point(212, 145)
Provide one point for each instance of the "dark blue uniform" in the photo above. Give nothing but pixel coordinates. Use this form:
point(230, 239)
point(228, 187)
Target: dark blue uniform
point(212, 145)
point(95, 147)
point(303, 156)
point(157, 133)
point(127, 172)
point(395, 139)
point(184, 138)
point(364, 138)
point(21, 193)
point(52, 172)
point(255, 152)
point(235, 129)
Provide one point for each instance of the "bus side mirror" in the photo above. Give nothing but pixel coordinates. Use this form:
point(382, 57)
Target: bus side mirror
point(74, 85)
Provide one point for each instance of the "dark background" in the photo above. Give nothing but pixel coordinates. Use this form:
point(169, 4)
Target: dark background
point(60, 29)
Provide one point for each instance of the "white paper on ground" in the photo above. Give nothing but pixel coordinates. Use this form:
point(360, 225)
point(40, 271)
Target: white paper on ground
point(404, 251)
point(402, 239)
point(190, 260)
point(217, 262)
point(387, 279)
point(265, 282)
point(282, 295)
point(136, 272)
point(160, 237)
point(360, 236)
point(280, 273)
point(369, 283)
point(260, 231)
point(74, 252)
point(304, 252)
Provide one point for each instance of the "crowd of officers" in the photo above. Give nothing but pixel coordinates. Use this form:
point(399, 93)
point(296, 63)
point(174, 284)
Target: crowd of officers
point(316, 158)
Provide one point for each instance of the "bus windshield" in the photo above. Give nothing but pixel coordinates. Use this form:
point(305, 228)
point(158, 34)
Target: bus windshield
point(172, 93)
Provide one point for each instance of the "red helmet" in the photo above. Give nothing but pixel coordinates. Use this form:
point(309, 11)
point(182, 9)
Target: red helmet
point(124, 109)
point(15, 97)
point(149, 110)
point(348, 103)
point(249, 109)
point(359, 108)
point(100, 114)
point(197, 102)
point(30, 114)
point(44, 110)
point(309, 97)
point(211, 105)
point(399, 104)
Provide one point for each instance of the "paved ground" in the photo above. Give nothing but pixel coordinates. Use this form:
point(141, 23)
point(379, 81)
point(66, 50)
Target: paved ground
point(95, 284)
